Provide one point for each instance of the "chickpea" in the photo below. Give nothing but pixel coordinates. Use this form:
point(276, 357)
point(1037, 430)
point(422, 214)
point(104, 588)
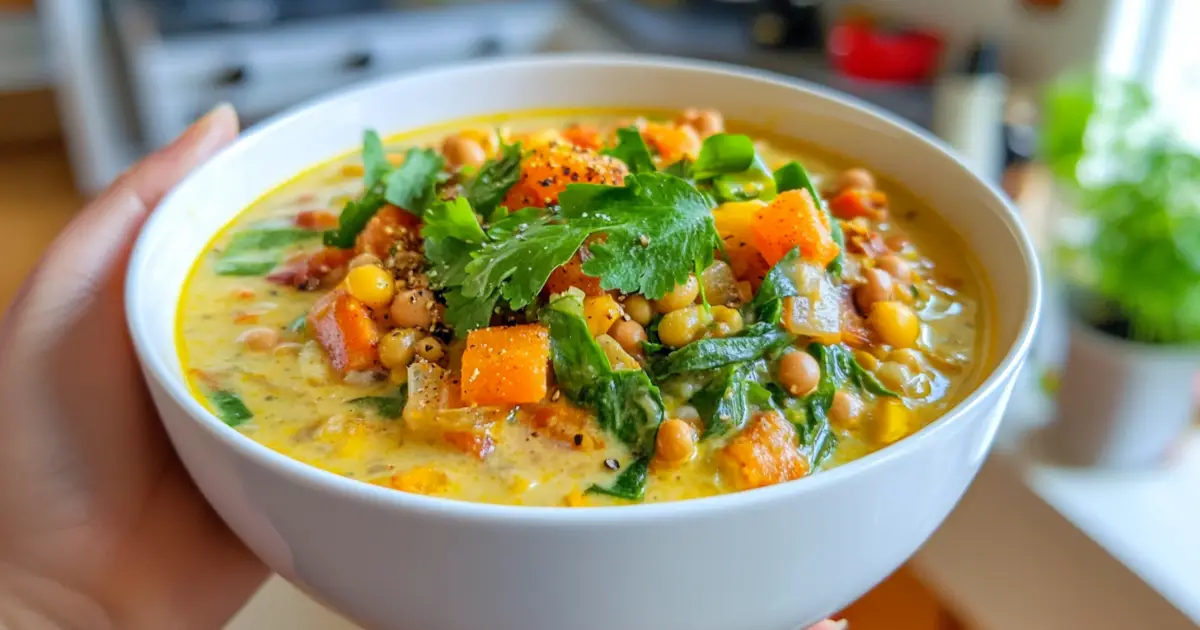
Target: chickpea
point(877, 286)
point(681, 327)
point(415, 308)
point(630, 335)
point(460, 152)
point(675, 443)
point(364, 259)
point(706, 122)
point(639, 309)
point(728, 321)
point(896, 266)
point(259, 339)
point(896, 324)
point(720, 285)
point(799, 373)
point(679, 297)
point(371, 285)
point(855, 178)
point(398, 348)
point(430, 349)
point(845, 410)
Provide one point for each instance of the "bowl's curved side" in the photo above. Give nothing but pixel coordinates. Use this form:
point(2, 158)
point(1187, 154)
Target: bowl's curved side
point(764, 559)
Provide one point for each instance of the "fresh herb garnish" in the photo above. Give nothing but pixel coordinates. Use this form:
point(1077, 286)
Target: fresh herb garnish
point(354, 218)
point(229, 407)
point(297, 325)
point(723, 153)
point(630, 484)
point(632, 150)
point(681, 169)
point(375, 160)
point(706, 354)
point(255, 252)
point(495, 177)
point(453, 220)
point(412, 186)
point(627, 405)
point(790, 176)
point(389, 407)
point(778, 284)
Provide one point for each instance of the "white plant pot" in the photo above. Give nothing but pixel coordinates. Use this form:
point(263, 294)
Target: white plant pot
point(1122, 404)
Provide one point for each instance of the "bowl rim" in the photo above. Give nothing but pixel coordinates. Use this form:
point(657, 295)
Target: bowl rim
point(461, 510)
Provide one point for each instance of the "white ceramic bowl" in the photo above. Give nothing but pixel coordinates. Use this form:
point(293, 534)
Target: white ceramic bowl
point(771, 559)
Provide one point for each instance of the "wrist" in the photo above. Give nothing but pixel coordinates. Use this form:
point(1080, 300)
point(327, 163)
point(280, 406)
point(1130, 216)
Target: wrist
point(28, 600)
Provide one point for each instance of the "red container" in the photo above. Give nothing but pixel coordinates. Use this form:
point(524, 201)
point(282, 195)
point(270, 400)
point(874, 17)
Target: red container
point(865, 51)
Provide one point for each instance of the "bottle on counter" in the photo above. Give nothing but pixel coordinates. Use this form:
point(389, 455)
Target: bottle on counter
point(969, 107)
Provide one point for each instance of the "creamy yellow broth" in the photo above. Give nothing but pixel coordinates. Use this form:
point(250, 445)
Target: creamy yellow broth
point(301, 407)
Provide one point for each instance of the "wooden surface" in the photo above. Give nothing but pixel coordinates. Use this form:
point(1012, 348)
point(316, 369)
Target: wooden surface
point(37, 199)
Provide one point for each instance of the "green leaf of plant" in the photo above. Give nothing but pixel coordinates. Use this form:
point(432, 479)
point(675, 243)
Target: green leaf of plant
point(388, 407)
point(298, 325)
point(518, 267)
point(354, 218)
point(630, 484)
point(495, 177)
point(659, 228)
point(790, 176)
point(464, 314)
point(255, 252)
point(375, 161)
point(724, 153)
point(778, 284)
point(723, 403)
point(229, 407)
point(452, 219)
point(412, 185)
point(706, 354)
point(632, 150)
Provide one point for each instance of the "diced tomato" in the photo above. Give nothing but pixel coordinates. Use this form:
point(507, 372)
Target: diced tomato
point(306, 272)
point(344, 328)
point(316, 220)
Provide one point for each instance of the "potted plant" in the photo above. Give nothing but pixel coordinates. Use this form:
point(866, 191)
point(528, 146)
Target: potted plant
point(1129, 261)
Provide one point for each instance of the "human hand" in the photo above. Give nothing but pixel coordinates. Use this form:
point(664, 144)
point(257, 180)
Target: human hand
point(101, 526)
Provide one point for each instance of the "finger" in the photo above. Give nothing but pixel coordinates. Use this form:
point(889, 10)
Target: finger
point(154, 176)
point(830, 624)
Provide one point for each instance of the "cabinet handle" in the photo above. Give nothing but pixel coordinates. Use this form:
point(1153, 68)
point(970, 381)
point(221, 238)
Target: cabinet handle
point(359, 61)
point(229, 77)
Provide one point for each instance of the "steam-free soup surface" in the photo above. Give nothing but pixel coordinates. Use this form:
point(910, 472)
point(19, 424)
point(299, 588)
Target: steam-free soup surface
point(582, 310)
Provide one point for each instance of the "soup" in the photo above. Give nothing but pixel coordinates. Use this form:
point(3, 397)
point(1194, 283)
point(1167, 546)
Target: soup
point(582, 310)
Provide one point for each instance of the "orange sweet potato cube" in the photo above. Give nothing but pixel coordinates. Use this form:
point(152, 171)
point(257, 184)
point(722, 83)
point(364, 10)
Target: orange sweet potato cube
point(791, 220)
point(506, 365)
point(763, 454)
point(344, 328)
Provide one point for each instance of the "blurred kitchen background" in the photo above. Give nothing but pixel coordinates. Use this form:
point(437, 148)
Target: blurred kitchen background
point(88, 86)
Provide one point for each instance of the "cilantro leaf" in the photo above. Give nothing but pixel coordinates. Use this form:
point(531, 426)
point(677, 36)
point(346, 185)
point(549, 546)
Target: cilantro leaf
point(495, 177)
point(375, 161)
point(626, 403)
point(706, 354)
point(518, 267)
point(681, 169)
point(354, 218)
point(464, 314)
point(632, 150)
point(229, 407)
point(630, 484)
point(724, 153)
point(452, 219)
point(412, 186)
point(659, 228)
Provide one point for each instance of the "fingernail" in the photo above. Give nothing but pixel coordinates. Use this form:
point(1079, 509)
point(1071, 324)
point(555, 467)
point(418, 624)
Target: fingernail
point(205, 123)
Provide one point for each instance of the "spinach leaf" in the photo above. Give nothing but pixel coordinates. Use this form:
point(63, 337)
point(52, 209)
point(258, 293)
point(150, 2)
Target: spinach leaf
point(255, 252)
point(790, 176)
point(626, 403)
point(412, 186)
point(724, 153)
point(389, 407)
point(707, 354)
point(839, 369)
point(354, 218)
point(630, 484)
point(375, 160)
point(632, 150)
point(229, 407)
point(724, 402)
point(755, 182)
point(495, 177)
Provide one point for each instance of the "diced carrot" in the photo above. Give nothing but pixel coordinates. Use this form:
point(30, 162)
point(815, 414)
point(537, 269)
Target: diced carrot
point(858, 202)
point(570, 274)
point(316, 220)
point(564, 423)
point(790, 220)
point(308, 271)
point(506, 365)
point(672, 142)
point(549, 169)
point(763, 454)
point(389, 226)
point(344, 328)
point(476, 443)
point(583, 136)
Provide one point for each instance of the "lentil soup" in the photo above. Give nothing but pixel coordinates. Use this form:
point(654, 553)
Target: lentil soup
point(583, 310)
